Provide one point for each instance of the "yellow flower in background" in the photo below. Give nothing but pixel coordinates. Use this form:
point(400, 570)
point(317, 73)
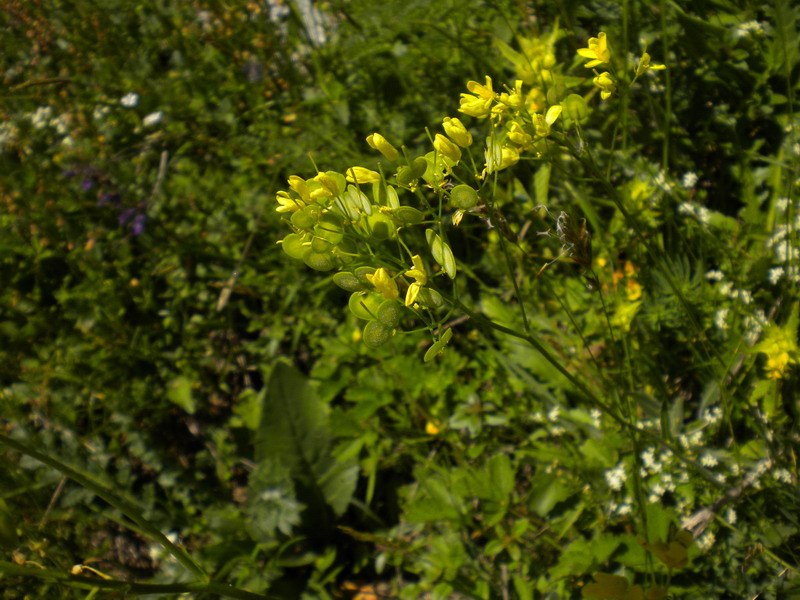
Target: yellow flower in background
point(431, 428)
point(644, 64)
point(519, 136)
point(606, 83)
point(362, 175)
point(457, 132)
point(384, 284)
point(543, 123)
point(446, 147)
point(598, 51)
point(379, 143)
point(479, 102)
point(780, 346)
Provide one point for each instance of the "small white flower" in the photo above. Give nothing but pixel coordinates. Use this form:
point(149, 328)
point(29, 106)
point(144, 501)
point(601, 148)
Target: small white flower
point(616, 477)
point(153, 118)
point(712, 416)
point(730, 516)
point(703, 215)
point(649, 457)
point(708, 460)
point(782, 204)
point(40, 117)
point(721, 318)
point(686, 208)
point(60, 123)
point(99, 112)
point(782, 475)
point(129, 100)
point(68, 142)
point(775, 275)
point(554, 413)
point(706, 541)
point(689, 180)
point(715, 275)
point(596, 416)
point(624, 509)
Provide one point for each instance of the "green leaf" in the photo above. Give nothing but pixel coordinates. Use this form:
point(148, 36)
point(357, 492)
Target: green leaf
point(179, 392)
point(541, 183)
point(295, 432)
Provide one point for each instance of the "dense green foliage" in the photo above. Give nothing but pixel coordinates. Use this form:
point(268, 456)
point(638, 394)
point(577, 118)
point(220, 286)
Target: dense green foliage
point(598, 351)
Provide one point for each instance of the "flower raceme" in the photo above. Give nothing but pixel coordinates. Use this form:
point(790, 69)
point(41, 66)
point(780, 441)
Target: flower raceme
point(417, 272)
point(598, 51)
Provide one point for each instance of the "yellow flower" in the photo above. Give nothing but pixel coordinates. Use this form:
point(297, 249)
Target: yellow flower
point(598, 51)
point(287, 203)
point(431, 428)
point(478, 104)
point(606, 84)
point(328, 184)
point(299, 185)
point(379, 143)
point(515, 99)
point(446, 147)
point(417, 271)
point(385, 285)
point(457, 132)
point(644, 64)
point(362, 175)
point(519, 136)
point(780, 346)
point(543, 123)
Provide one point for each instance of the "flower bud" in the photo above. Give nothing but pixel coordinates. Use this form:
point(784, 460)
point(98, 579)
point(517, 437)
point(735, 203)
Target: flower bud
point(362, 175)
point(455, 129)
point(446, 148)
point(379, 143)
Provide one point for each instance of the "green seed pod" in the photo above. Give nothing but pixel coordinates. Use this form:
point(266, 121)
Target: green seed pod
point(320, 261)
point(376, 334)
point(361, 273)
point(418, 166)
point(389, 313)
point(405, 175)
point(463, 197)
point(408, 215)
point(430, 298)
point(294, 245)
point(319, 244)
point(381, 226)
point(330, 228)
point(348, 282)
point(306, 218)
point(365, 306)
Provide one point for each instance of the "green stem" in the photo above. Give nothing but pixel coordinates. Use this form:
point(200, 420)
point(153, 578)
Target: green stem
point(128, 508)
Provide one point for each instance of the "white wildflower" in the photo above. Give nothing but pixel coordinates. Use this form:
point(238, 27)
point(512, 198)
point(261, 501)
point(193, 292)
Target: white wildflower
point(775, 275)
point(782, 204)
point(703, 215)
point(708, 460)
point(721, 318)
point(689, 180)
point(616, 477)
point(554, 413)
point(730, 516)
point(706, 541)
point(715, 275)
point(99, 112)
point(152, 119)
point(782, 475)
point(129, 100)
point(40, 117)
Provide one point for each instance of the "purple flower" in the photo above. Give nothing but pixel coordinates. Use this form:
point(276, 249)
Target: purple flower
point(70, 173)
point(87, 184)
point(137, 227)
point(126, 215)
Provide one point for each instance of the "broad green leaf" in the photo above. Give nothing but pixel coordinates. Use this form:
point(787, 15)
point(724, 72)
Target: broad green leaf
point(295, 433)
point(179, 392)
